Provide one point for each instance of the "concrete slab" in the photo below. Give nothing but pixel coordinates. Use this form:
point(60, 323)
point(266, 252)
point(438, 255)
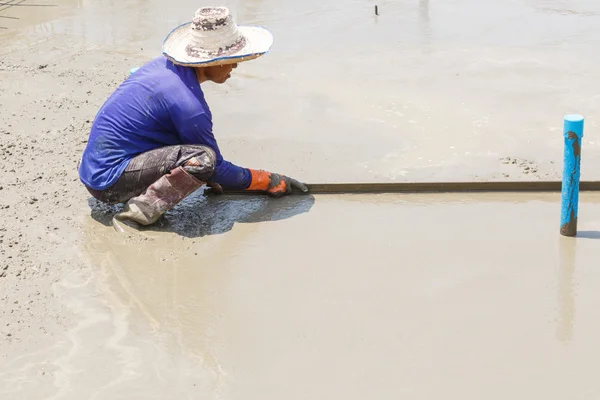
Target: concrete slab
point(417, 297)
point(411, 94)
point(391, 296)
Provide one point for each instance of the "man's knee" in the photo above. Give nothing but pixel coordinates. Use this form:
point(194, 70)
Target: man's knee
point(200, 161)
point(107, 196)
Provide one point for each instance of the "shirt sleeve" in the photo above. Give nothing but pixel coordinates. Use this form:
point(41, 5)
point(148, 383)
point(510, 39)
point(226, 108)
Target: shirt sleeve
point(197, 129)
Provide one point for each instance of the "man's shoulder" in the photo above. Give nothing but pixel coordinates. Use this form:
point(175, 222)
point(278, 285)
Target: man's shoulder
point(172, 85)
point(169, 74)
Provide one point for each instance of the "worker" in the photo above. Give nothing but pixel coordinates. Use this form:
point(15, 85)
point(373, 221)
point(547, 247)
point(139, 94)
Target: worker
point(151, 144)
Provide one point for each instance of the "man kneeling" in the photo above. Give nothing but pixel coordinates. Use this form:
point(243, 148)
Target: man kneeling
point(151, 143)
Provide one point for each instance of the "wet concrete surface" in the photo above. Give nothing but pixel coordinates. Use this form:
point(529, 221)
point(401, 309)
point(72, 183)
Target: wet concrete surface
point(427, 90)
point(459, 296)
point(465, 296)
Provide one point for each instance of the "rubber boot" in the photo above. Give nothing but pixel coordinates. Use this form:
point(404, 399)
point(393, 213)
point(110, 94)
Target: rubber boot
point(160, 197)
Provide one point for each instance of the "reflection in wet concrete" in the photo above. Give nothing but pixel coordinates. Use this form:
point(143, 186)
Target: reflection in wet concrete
point(200, 215)
point(424, 10)
point(566, 295)
point(424, 21)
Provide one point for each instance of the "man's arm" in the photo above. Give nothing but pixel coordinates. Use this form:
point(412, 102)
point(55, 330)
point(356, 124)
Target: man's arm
point(198, 130)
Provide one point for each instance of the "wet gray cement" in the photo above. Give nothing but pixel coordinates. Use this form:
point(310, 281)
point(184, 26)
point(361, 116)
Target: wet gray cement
point(416, 296)
point(466, 296)
point(415, 93)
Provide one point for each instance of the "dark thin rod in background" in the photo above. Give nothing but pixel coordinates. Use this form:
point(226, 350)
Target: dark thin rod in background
point(10, 4)
point(6, 7)
point(26, 5)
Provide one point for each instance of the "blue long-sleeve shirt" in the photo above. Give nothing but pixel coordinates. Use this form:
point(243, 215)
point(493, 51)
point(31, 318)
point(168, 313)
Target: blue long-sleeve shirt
point(161, 104)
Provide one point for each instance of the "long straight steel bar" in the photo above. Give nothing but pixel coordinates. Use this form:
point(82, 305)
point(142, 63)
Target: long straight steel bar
point(437, 187)
point(11, 3)
point(19, 4)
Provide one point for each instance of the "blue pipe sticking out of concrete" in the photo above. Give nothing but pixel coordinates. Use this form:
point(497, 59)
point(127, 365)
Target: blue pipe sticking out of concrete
point(573, 132)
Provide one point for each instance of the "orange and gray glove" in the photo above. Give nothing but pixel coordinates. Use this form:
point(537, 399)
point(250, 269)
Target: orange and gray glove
point(275, 185)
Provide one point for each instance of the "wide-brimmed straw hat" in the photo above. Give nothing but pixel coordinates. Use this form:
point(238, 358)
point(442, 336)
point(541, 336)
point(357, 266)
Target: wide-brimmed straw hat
point(213, 38)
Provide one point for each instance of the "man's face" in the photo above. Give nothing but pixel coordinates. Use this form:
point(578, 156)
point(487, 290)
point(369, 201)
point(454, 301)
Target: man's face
point(219, 73)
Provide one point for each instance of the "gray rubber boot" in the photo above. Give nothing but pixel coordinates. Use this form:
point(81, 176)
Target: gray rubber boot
point(160, 197)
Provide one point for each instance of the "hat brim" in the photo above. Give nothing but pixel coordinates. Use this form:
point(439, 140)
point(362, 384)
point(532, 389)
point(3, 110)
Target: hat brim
point(258, 42)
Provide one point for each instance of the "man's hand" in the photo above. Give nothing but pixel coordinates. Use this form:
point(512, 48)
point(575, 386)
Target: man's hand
point(276, 185)
point(215, 187)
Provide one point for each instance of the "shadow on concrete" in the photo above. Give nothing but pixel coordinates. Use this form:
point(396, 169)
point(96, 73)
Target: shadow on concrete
point(201, 215)
point(588, 234)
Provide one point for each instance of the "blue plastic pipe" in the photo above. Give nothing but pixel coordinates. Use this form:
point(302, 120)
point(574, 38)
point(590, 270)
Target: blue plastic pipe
point(573, 132)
